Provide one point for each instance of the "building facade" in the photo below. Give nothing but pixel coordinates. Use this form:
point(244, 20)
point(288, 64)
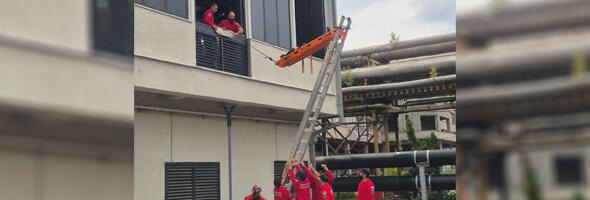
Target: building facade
point(66, 100)
point(185, 75)
point(442, 123)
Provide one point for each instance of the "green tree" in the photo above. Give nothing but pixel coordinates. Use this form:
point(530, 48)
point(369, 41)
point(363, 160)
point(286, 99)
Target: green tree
point(393, 38)
point(411, 135)
point(348, 78)
point(531, 188)
point(578, 195)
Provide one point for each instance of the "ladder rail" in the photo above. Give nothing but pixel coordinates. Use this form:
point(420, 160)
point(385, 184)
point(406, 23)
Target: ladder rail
point(318, 94)
point(310, 104)
point(334, 70)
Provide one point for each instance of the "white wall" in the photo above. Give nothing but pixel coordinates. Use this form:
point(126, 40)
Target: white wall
point(35, 169)
point(164, 37)
point(37, 76)
point(213, 85)
point(172, 137)
point(47, 21)
point(542, 161)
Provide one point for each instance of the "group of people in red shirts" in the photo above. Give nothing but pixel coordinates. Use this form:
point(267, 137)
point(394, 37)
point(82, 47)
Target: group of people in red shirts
point(313, 185)
point(227, 24)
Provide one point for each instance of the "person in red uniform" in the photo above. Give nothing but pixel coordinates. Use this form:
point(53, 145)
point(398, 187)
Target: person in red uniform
point(280, 192)
point(326, 192)
point(315, 180)
point(302, 186)
point(366, 190)
point(255, 194)
point(231, 24)
point(208, 16)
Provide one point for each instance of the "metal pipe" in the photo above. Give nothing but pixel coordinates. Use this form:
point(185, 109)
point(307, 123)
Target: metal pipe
point(508, 64)
point(386, 160)
point(423, 187)
point(431, 100)
point(395, 183)
point(420, 65)
point(402, 53)
point(368, 107)
point(481, 95)
point(421, 108)
point(400, 45)
point(400, 85)
point(228, 111)
point(518, 20)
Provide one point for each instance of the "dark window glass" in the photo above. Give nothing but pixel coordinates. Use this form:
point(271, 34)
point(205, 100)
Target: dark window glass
point(177, 7)
point(271, 22)
point(495, 170)
point(174, 7)
point(155, 4)
point(284, 24)
point(112, 27)
point(258, 19)
point(427, 123)
point(569, 170)
point(309, 22)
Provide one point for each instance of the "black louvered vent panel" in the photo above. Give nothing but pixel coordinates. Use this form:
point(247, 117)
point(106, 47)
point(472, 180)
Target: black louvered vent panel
point(279, 165)
point(221, 53)
point(234, 55)
point(192, 180)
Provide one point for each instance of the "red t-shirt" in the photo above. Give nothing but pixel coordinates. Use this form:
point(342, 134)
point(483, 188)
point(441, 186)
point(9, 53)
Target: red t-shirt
point(208, 18)
point(235, 27)
point(315, 184)
point(302, 188)
point(366, 190)
point(326, 192)
point(282, 194)
point(251, 197)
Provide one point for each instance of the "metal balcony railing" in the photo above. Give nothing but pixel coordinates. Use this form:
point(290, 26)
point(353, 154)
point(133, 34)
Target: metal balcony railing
point(221, 53)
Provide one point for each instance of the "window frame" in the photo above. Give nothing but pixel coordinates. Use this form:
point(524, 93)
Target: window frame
point(165, 11)
point(434, 123)
point(581, 173)
point(290, 16)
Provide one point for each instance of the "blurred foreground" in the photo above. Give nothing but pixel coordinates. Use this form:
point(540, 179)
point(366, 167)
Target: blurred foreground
point(523, 100)
point(66, 100)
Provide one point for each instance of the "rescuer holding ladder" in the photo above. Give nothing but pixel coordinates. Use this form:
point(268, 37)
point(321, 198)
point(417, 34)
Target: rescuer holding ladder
point(280, 192)
point(315, 180)
point(366, 189)
point(301, 182)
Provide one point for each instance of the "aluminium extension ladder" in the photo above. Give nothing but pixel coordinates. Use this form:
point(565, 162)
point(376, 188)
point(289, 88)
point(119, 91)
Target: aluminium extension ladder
point(318, 94)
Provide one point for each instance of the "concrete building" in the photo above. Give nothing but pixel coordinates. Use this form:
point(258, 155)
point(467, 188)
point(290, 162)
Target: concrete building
point(442, 123)
point(66, 100)
point(184, 76)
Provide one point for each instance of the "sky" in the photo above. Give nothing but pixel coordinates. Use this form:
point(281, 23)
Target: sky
point(374, 20)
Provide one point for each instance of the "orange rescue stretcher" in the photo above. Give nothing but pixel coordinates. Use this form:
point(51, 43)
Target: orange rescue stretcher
point(309, 48)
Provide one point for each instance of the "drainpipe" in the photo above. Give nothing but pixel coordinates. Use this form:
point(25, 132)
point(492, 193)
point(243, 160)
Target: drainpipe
point(228, 111)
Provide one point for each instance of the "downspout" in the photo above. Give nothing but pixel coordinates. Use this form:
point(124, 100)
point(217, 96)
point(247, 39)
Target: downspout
point(228, 111)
